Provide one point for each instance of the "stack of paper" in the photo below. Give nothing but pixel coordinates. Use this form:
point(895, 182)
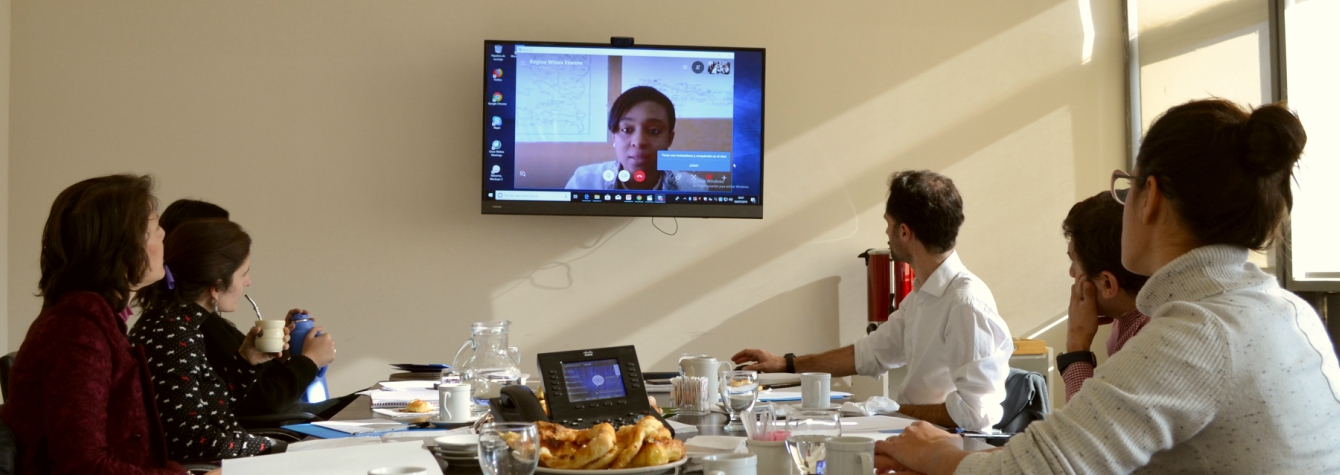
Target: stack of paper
point(362, 425)
point(356, 460)
point(406, 385)
point(792, 394)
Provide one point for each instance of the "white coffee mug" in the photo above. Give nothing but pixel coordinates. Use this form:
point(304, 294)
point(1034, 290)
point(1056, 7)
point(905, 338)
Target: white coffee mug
point(773, 459)
point(707, 367)
point(453, 402)
point(271, 338)
point(730, 464)
point(814, 390)
point(849, 456)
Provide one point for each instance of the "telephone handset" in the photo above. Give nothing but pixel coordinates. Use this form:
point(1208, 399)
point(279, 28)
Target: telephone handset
point(517, 403)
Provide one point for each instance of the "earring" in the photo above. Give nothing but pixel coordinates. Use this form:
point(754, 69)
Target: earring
point(216, 306)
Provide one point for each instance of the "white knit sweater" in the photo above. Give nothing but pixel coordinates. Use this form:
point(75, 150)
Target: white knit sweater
point(1232, 375)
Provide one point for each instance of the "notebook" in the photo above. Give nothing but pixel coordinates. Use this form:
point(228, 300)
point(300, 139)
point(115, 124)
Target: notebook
point(394, 399)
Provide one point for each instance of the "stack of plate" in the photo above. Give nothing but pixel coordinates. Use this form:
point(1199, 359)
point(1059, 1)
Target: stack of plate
point(457, 451)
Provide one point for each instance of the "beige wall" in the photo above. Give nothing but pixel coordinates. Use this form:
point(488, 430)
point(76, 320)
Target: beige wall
point(344, 135)
point(4, 167)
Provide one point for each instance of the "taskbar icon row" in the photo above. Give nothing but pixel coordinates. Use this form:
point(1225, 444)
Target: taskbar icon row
point(660, 198)
point(619, 197)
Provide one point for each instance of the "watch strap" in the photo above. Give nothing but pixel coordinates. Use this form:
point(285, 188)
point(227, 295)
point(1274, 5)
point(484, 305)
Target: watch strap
point(790, 362)
point(1064, 360)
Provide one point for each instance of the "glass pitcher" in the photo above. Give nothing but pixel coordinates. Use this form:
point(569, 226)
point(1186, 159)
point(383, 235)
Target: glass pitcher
point(488, 368)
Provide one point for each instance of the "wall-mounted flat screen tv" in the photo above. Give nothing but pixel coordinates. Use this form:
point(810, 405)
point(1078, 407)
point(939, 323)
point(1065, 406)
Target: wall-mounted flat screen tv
point(596, 129)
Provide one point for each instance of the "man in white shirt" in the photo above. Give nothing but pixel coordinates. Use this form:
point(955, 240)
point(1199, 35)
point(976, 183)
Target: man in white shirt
point(947, 331)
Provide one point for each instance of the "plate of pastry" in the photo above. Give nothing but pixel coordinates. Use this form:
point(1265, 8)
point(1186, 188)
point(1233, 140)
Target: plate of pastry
point(644, 448)
point(658, 469)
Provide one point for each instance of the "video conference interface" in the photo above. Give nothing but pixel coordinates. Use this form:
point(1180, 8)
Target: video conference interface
point(592, 380)
point(599, 124)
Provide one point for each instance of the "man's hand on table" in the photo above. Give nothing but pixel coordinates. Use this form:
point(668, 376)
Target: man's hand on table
point(921, 448)
point(765, 362)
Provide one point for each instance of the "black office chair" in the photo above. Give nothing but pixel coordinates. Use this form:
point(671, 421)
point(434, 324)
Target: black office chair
point(9, 444)
point(1026, 400)
point(6, 366)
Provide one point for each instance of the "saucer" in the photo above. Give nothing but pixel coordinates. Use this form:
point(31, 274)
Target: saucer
point(457, 441)
point(451, 425)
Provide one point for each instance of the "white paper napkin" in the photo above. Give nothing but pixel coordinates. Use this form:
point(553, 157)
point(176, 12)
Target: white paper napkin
point(873, 406)
point(714, 444)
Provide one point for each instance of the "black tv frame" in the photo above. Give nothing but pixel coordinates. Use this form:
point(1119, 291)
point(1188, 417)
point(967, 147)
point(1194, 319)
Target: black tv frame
point(667, 210)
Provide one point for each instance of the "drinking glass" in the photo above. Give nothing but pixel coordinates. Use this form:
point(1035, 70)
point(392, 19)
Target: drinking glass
point(739, 392)
point(815, 422)
point(509, 448)
point(810, 429)
point(448, 376)
point(807, 452)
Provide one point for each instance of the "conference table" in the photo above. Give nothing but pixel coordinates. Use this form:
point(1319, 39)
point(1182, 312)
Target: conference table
point(710, 424)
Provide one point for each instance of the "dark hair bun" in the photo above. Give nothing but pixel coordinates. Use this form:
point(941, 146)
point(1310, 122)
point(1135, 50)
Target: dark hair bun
point(1275, 139)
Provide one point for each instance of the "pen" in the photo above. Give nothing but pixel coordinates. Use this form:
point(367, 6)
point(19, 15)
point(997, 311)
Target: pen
point(978, 435)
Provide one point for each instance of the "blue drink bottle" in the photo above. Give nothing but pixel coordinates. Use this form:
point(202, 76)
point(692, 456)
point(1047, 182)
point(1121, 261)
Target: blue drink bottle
point(317, 391)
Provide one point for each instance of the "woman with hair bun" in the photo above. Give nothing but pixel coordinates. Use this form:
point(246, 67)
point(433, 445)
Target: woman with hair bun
point(1232, 374)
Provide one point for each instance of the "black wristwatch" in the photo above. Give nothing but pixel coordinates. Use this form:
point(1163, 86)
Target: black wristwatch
point(790, 362)
point(1066, 359)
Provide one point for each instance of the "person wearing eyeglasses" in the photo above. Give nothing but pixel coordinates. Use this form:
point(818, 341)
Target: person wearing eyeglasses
point(1232, 374)
point(1104, 291)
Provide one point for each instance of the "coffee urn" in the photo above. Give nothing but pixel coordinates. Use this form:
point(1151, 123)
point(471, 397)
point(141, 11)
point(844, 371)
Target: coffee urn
point(887, 283)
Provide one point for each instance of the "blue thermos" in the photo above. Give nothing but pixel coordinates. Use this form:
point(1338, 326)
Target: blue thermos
point(317, 391)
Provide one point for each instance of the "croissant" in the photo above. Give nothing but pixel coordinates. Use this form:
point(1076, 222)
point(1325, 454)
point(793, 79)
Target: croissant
point(645, 444)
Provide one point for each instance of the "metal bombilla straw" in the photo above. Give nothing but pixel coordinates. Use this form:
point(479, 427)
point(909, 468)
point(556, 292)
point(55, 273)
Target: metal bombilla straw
point(254, 306)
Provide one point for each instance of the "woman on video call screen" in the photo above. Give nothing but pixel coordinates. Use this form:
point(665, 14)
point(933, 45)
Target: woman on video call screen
point(641, 124)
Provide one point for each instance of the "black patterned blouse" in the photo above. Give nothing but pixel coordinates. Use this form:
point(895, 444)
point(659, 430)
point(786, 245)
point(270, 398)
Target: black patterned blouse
point(195, 402)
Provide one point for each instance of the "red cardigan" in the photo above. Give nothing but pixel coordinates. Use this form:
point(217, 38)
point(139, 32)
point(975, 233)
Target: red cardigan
point(80, 396)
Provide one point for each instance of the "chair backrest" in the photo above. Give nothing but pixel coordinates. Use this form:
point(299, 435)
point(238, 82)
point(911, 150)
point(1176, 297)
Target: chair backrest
point(1026, 401)
point(6, 366)
point(9, 447)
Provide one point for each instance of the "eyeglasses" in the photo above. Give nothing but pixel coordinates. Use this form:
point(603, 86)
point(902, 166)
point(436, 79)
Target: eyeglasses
point(1119, 194)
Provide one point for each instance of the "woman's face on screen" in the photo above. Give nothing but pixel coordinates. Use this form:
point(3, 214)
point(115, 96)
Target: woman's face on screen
point(643, 131)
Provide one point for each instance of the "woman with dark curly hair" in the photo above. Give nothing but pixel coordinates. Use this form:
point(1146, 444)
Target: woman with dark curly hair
point(79, 393)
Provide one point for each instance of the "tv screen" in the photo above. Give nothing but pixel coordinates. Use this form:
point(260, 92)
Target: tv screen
point(595, 129)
